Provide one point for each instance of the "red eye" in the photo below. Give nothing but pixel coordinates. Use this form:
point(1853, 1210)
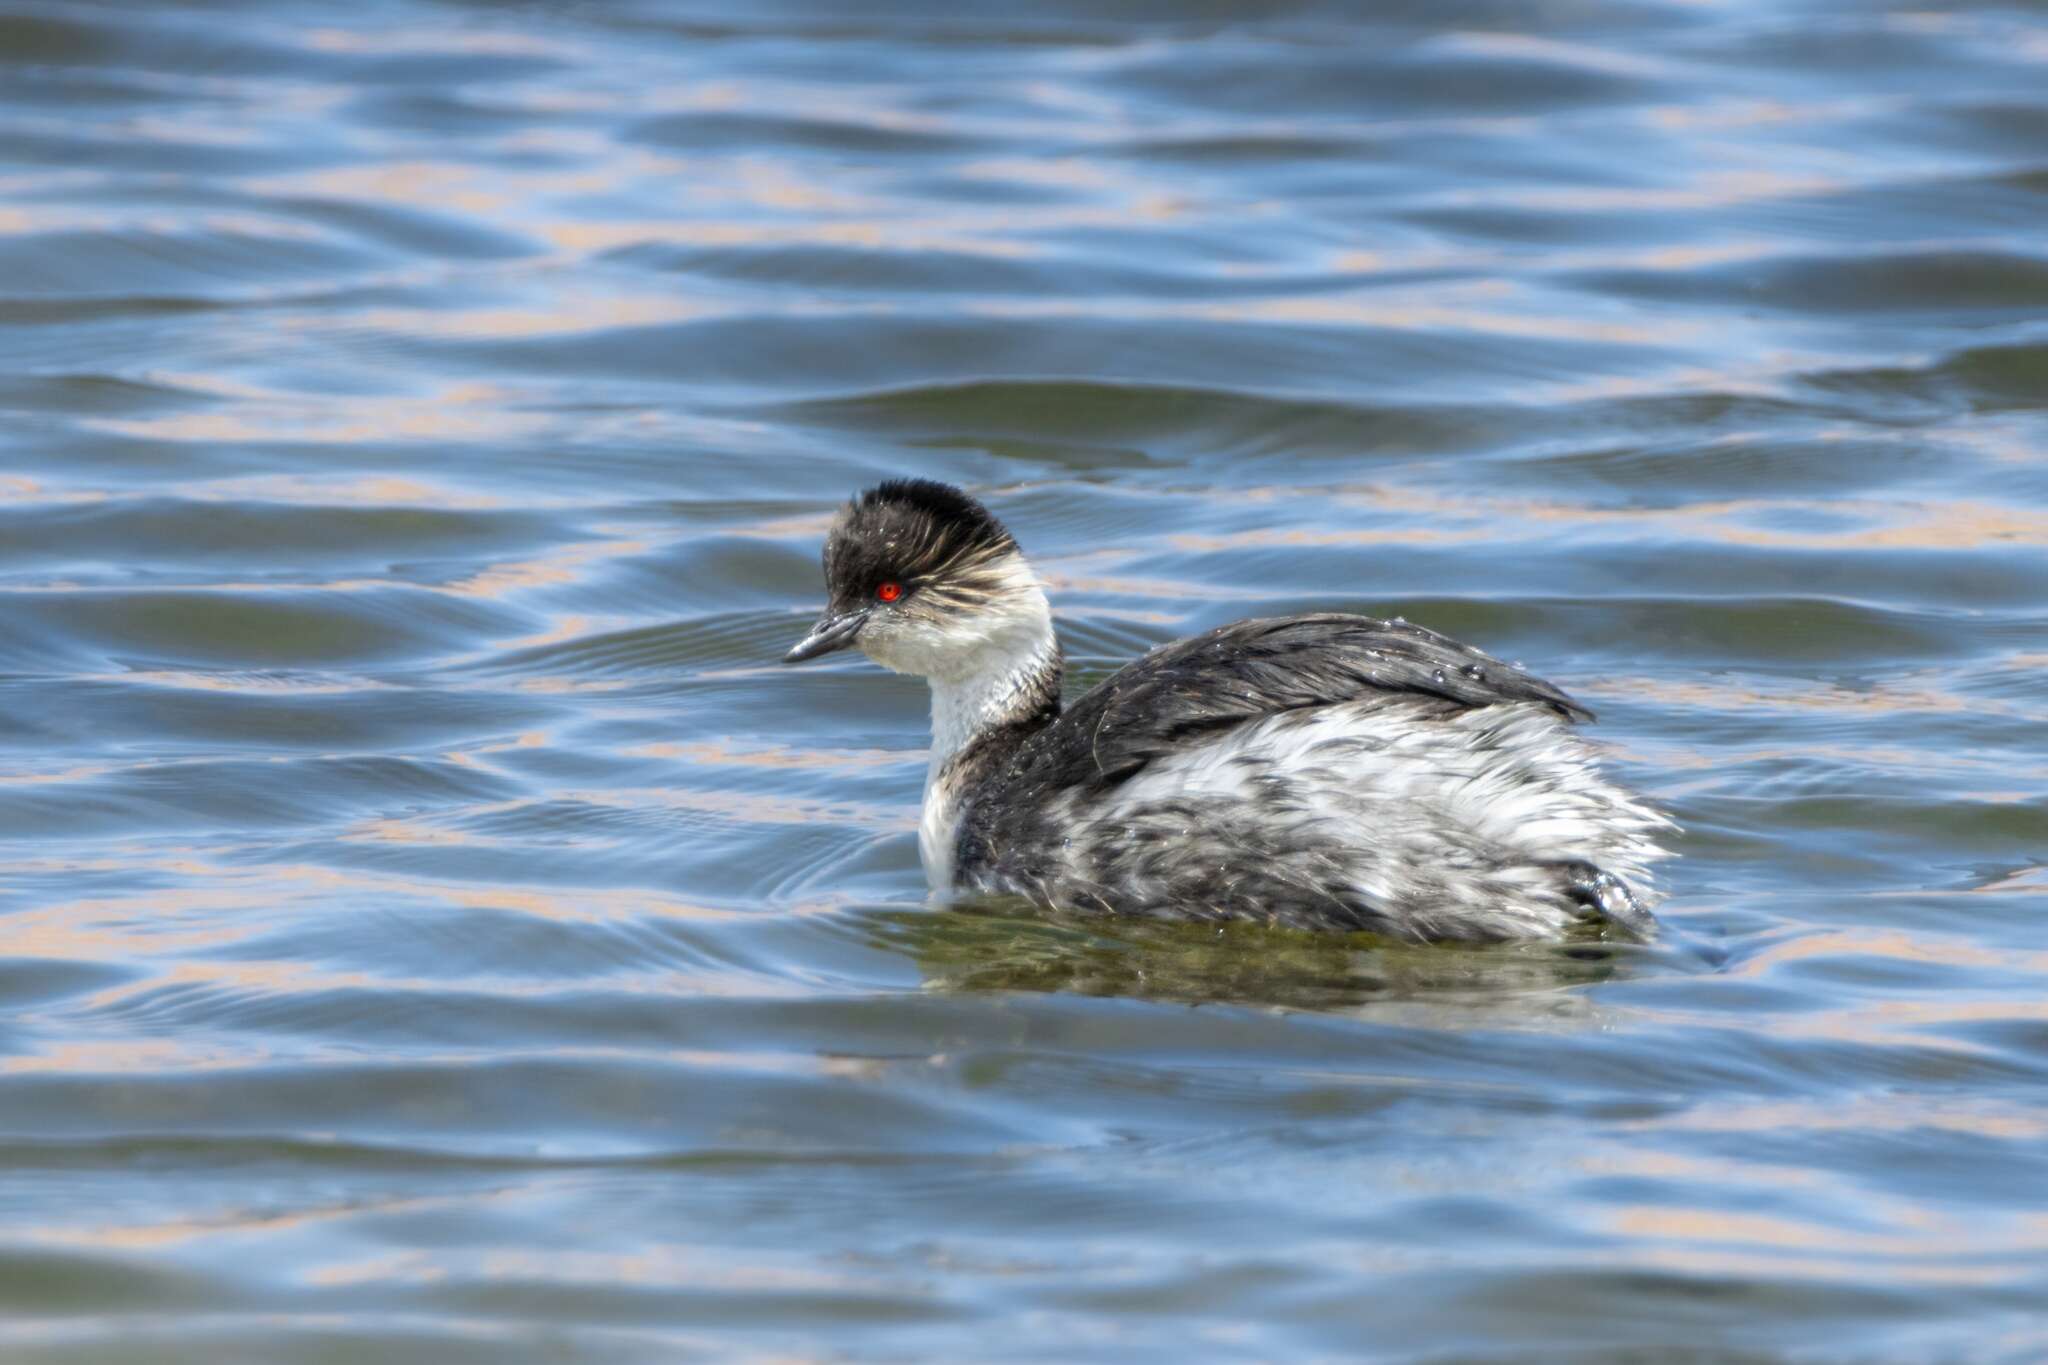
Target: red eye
point(889, 592)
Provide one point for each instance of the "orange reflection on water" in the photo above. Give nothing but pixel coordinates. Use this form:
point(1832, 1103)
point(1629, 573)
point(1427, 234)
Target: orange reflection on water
point(1889, 1111)
point(231, 1221)
point(2024, 880)
point(365, 490)
point(82, 772)
point(1384, 309)
point(206, 908)
point(674, 1265)
point(874, 234)
point(238, 683)
point(1663, 1164)
point(1723, 115)
point(1792, 694)
point(561, 565)
point(1892, 525)
point(568, 313)
point(1678, 1222)
point(124, 1056)
point(720, 754)
point(1410, 315)
point(1896, 944)
point(1759, 1264)
point(1546, 51)
point(139, 925)
point(1712, 190)
point(568, 687)
point(413, 39)
point(464, 412)
point(1059, 172)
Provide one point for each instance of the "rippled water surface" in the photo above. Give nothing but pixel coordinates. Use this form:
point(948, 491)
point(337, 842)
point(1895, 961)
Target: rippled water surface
point(433, 928)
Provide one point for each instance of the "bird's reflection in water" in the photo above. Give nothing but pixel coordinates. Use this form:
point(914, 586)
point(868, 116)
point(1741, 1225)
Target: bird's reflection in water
point(1008, 945)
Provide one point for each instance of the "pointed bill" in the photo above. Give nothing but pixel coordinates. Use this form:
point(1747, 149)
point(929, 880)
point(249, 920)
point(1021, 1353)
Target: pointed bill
point(834, 631)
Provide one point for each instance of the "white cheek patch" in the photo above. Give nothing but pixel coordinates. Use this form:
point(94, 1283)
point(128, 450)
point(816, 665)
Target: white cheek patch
point(1008, 620)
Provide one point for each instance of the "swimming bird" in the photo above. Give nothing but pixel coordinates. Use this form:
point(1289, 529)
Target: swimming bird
point(1325, 771)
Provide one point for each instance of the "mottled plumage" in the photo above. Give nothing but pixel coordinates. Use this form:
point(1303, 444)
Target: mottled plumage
point(1325, 771)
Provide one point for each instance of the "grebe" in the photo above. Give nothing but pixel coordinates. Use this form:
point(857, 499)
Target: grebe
point(1327, 771)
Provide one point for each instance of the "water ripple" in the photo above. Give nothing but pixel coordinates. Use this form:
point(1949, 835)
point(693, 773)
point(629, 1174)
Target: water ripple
point(436, 928)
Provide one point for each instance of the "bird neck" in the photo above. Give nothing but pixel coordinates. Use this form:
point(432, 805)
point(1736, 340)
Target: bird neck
point(980, 717)
point(1013, 687)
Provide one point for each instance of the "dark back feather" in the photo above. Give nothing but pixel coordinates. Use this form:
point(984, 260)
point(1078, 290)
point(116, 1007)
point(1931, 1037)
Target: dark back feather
point(1238, 673)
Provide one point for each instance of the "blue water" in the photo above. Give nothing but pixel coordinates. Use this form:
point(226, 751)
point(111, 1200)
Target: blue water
point(432, 926)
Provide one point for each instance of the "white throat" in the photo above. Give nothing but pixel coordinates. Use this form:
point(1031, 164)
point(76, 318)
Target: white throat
point(1002, 684)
